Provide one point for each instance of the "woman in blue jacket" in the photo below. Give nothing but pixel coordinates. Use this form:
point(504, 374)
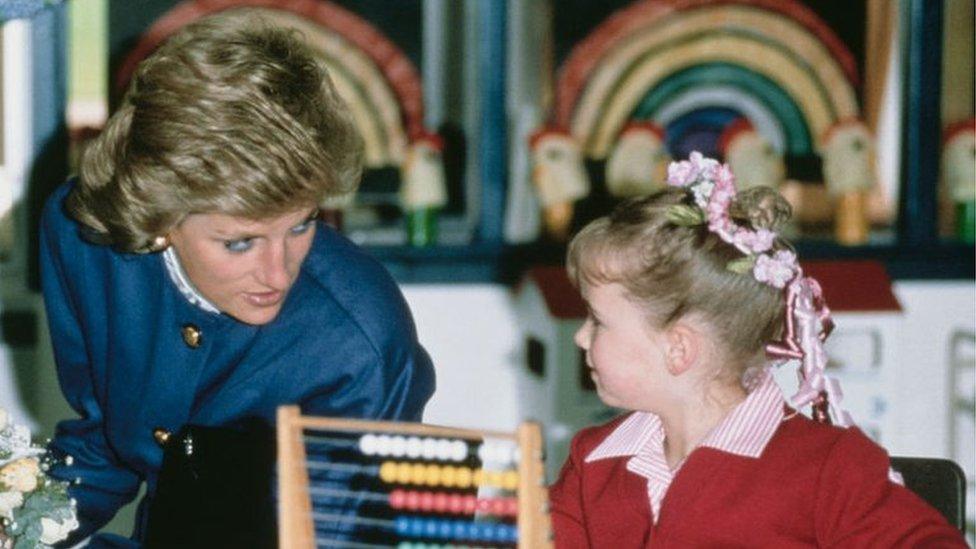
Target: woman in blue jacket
point(186, 278)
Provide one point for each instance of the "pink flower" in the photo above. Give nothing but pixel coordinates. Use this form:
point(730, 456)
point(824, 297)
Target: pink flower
point(682, 174)
point(777, 269)
point(754, 242)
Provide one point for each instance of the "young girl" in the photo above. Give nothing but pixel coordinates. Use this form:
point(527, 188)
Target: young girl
point(688, 291)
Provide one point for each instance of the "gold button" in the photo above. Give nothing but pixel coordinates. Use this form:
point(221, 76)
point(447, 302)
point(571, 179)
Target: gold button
point(161, 435)
point(192, 336)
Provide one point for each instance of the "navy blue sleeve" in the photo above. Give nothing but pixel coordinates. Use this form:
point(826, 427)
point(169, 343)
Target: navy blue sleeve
point(104, 485)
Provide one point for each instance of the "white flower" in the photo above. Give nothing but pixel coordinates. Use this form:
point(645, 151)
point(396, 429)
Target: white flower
point(10, 501)
point(20, 475)
point(53, 531)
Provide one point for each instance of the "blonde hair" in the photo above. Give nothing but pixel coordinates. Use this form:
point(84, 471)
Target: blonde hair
point(675, 270)
point(229, 115)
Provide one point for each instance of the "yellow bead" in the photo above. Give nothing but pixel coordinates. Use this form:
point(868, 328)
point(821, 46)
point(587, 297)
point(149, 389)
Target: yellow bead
point(418, 473)
point(510, 480)
point(463, 477)
point(433, 475)
point(478, 478)
point(404, 473)
point(388, 472)
point(493, 479)
point(448, 476)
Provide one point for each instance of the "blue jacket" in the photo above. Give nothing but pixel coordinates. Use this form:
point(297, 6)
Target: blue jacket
point(343, 344)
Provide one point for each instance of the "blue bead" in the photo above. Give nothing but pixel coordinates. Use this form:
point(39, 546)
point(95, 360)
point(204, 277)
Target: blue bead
point(402, 526)
point(416, 527)
point(460, 529)
point(430, 528)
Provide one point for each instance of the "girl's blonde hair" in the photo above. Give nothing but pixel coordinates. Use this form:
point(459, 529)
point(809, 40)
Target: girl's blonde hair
point(676, 270)
point(229, 115)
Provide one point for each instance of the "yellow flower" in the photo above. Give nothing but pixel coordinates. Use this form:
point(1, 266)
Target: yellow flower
point(20, 475)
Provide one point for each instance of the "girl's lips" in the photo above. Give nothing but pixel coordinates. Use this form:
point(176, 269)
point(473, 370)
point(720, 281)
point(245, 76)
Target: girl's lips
point(264, 299)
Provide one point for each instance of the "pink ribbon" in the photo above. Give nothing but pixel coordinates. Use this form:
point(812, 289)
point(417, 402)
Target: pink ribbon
point(808, 324)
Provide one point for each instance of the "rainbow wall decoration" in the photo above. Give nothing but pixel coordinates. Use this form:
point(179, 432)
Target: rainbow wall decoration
point(380, 84)
point(689, 63)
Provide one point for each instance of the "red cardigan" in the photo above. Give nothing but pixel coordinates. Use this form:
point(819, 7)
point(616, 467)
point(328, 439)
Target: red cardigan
point(813, 486)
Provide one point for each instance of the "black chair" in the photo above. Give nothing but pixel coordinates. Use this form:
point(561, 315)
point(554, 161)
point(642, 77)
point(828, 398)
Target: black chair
point(940, 482)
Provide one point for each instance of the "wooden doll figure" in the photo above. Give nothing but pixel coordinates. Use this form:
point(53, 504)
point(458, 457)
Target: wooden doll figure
point(849, 173)
point(751, 157)
point(423, 190)
point(638, 162)
point(559, 178)
point(959, 171)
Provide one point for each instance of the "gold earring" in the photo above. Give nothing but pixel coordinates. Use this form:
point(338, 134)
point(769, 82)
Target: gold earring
point(159, 243)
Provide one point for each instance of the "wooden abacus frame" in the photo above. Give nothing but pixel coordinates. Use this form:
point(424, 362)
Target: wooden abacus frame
point(295, 526)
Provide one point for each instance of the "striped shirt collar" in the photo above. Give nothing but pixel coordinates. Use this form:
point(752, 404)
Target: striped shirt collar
point(745, 431)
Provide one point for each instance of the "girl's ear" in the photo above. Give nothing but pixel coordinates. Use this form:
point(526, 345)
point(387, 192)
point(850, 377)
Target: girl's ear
point(683, 347)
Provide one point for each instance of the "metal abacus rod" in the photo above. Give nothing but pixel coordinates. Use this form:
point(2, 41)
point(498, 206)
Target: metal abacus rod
point(394, 448)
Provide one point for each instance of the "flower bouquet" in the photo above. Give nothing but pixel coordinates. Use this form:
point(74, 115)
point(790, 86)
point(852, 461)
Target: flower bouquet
point(35, 510)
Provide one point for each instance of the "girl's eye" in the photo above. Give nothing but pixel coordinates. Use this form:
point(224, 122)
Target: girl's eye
point(239, 245)
point(304, 227)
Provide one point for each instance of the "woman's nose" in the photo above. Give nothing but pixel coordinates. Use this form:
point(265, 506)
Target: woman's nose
point(274, 267)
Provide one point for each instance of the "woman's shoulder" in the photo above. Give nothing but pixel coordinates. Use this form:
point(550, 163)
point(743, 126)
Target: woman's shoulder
point(350, 278)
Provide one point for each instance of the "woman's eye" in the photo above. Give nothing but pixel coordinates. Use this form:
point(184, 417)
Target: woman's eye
point(303, 228)
point(240, 245)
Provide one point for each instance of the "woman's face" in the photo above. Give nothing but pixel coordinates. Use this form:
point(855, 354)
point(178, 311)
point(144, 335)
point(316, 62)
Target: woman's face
point(244, 267)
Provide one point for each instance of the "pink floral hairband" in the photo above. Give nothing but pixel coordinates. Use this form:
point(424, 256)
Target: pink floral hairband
point(713, 186)
point(808, 321)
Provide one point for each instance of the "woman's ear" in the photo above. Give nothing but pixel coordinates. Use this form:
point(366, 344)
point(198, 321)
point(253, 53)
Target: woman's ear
point(684, 344)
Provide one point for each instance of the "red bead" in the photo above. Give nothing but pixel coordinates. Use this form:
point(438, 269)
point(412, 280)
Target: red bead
point(484, 505)
point(440, 502)
point(396, 499)
point(455, 503)
point(470, 504)
point(426, 501)
point(512, 507)
point(413, 500)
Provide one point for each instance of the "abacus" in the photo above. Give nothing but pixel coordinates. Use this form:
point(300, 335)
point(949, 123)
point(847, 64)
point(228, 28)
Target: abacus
point(371, 484)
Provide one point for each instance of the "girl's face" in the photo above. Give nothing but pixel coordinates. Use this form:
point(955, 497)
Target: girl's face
point(625, 354)
point(244, 267)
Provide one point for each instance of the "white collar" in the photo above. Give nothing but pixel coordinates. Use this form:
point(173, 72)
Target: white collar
point(183, 284)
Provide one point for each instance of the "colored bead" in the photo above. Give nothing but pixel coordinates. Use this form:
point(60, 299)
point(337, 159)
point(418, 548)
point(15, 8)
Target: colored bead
point(398, 446)
point(383, 445)
point(429, 448)
point(439, 502)
point(510, 480)
point(426, 502)
point(418, 473)
point(404, 473)
point(402, 525)
point(412, 500)
point(415, 447)
point(459, 450)
point(445, 528)
point(444, 449)
point(433, 475)
point(397, 498)
point(478, 477)
point(483, 506)
point(455, 503)
point(430, 527)
point(470, 504)
point(389, 472)
point(465, 477)
point(367, 444)
point(448, 476)
point(511, 507)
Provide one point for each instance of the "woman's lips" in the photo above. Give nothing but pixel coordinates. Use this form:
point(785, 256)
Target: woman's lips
point(264, 299)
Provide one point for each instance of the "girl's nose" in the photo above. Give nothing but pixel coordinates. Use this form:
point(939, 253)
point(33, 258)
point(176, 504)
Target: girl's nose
point(582, 335)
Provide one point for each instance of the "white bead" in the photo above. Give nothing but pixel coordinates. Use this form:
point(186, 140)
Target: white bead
point(459, 450)
point(414, 447)
point(398, 446)
point(383, 444)
point(430, 448)
point(443, 449)
point(367, 444)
